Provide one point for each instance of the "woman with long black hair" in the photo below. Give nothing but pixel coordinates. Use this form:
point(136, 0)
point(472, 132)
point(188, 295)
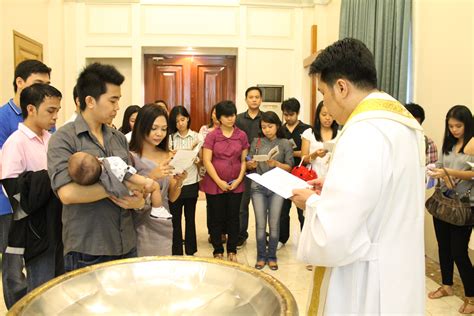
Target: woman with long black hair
point(458, 149)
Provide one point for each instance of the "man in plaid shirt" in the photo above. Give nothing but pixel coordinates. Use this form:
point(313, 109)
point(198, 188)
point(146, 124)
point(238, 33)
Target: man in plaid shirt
point(431, 149)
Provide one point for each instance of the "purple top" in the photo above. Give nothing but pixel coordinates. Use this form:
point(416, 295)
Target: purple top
point(226, 158)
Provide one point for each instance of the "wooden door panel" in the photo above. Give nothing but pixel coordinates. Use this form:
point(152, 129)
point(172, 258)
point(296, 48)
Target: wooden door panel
point(196, 82)
point(169, 84)
point(210, 89)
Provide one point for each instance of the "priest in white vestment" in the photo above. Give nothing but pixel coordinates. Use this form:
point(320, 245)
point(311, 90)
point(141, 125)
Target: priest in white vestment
point(366, 225)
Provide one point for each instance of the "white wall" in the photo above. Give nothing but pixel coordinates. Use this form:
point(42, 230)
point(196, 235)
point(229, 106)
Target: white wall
point(42, 21)
point(265, 37)
point(326, 17)
point(269, 38)
point(443, 33)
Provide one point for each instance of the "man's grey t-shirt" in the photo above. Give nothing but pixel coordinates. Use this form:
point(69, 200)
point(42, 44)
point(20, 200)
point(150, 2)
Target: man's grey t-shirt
point(97, 228)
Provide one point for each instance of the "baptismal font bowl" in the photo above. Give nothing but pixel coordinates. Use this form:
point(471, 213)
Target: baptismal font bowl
point(160, 286)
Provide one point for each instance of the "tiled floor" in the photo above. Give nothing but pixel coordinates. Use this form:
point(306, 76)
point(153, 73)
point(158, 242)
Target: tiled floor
point(293, 273)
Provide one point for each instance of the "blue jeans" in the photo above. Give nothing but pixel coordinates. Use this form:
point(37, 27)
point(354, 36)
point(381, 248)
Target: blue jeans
point(244, 210)
point(41, 269)
point(267, 207)
point(77, 260)
point(13, 279)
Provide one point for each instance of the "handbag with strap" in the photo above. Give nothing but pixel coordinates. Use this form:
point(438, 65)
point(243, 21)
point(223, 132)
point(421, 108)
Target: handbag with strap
point(456, 210)
point(304, 173)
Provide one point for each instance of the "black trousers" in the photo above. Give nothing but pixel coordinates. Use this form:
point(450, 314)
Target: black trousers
point(208, 221)
point(285, 221)
point(224, 216)
point(176, 209)
point(453, 248)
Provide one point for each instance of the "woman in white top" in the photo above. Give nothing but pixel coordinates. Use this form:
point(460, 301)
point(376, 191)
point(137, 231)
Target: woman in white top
point(181, 137)
point(324, 130)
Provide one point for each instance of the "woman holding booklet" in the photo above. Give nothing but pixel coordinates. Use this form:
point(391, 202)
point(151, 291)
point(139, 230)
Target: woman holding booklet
point(182, 137)
point(268, 151)
point(151, 157)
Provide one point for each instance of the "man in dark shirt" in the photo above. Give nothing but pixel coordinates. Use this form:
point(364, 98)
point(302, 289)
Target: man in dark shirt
point(249, 122)
point(292, 129)
point(96, 227)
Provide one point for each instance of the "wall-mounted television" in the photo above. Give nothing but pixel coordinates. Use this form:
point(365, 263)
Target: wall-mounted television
point(272, 93)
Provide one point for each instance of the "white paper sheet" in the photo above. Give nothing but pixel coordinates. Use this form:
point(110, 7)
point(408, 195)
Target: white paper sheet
point(279, 181)
point(182, 160)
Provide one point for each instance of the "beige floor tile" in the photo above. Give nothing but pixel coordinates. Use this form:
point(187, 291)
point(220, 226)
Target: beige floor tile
point(293, 273)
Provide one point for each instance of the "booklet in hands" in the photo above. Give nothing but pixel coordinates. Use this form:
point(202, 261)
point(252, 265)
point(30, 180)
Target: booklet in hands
point(271, 154)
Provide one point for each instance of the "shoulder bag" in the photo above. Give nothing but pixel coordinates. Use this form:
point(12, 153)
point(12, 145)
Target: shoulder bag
point(456, 210)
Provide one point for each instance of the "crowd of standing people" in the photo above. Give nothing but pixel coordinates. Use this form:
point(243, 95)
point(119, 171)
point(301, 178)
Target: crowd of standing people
point(88, 225)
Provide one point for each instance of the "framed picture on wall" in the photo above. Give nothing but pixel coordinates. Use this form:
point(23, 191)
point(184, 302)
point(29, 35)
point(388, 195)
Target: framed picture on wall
point(26, 48)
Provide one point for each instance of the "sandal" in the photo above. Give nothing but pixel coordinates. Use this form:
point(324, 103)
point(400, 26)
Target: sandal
point(439, 293)
point(232, 256)
point(260, 264)
point(273, 265)
point(467, 303)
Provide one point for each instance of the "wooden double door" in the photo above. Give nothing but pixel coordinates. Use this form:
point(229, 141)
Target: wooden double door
point(196, 82)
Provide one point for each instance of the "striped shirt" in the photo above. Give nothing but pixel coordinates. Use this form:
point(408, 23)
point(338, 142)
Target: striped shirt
point(188, 142)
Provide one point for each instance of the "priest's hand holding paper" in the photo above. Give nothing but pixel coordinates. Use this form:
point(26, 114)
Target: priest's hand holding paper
point(300, 196)
point(317, 185)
